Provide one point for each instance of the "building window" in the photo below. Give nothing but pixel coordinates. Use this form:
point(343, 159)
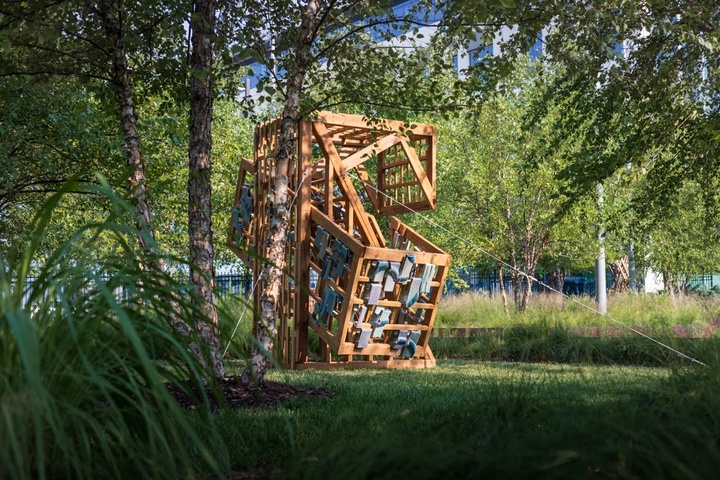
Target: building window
point(618, 49)
point(478, 55)
point(536, 50)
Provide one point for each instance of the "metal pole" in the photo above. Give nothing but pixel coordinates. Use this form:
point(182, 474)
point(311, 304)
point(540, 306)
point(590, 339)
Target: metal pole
point(600, 287)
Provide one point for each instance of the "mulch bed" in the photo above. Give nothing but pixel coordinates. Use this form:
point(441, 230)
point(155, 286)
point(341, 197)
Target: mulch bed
point(255, 396)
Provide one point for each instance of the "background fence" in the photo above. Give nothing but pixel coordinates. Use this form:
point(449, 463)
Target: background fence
point(241, 284)
point(577, 284)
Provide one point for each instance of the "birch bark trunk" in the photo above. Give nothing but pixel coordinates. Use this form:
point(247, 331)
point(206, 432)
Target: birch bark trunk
point(279, 210)
point(199, 181)
point(106, 11)
point(122, 82)
point(503, 294)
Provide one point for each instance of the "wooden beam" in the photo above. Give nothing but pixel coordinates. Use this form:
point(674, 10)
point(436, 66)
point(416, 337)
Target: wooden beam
point(374, 238)
point(349, 299)
point(407, 232)
point(361, 156)
point(392, 364)
point(425, 184)
point(400, 208)
point(325, 336)
point(302, 242)
point(368, 186)
point(383, 125)
point(437, 258)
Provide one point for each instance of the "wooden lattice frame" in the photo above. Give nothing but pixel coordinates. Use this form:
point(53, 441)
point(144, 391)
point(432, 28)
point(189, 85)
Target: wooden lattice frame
point(363, 314)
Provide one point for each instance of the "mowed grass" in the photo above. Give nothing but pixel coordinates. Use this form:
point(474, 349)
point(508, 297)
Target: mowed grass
point(580, 410)
point(467, 419)
point(475, 309)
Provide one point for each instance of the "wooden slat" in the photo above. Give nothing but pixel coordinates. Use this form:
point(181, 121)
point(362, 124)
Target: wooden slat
point(391, 364)
point(302, 239)
point(325, 335)
point(348, 348)
point(400, 208)
point(348, 303)
point(319, 217)
point(414, 237)
point(368, 186)
point(398, 255)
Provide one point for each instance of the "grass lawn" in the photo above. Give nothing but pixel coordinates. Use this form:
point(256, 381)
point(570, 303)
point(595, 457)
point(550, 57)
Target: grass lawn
point(581, 411)
point(464, 419)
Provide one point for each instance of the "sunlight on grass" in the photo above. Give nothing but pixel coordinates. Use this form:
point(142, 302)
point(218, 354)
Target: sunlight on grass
point(479, 310)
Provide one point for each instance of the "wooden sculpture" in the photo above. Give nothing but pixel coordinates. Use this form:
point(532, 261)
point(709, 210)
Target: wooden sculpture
point(375, 298)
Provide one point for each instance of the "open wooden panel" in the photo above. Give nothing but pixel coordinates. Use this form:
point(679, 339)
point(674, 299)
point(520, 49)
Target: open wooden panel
point(370, 298)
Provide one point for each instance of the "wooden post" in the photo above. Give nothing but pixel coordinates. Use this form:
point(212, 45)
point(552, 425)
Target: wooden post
point(302, 237)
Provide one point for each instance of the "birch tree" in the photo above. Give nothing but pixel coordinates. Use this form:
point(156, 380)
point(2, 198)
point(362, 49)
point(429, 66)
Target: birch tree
point(115, 41)
point(640, 79)
point(199, 180)
point(499, 177)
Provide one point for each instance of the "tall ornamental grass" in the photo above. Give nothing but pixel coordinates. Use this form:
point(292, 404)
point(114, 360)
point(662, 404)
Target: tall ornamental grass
point(83, 372)
point(543, 343)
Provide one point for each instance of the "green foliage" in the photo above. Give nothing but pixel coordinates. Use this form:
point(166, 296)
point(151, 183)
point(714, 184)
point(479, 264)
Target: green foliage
point(683, 242)
point(354, 63)
point(51, 130)
point(556, 344)
point(500, 178)
point(164, 122)
point(236, 325)
point(568, 331)
point(86, 350)
point(69, 39)
point(638, 88)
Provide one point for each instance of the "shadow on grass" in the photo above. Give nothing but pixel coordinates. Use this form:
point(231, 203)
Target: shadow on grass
point(535, 428)
point(465, 420)
point(540, 343)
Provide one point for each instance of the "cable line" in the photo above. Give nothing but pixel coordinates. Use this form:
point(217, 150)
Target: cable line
point(526, 275)
point(255, 282)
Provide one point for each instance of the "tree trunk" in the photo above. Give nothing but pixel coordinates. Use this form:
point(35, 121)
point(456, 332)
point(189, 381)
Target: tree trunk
point(278, 207)
point(517, 281)
point(556, 279)
point(669, 283)
point(515, 278)
point(526, 295)
point(534, 246)
point(122, 82)
point(199, 184)
point(501, 278)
